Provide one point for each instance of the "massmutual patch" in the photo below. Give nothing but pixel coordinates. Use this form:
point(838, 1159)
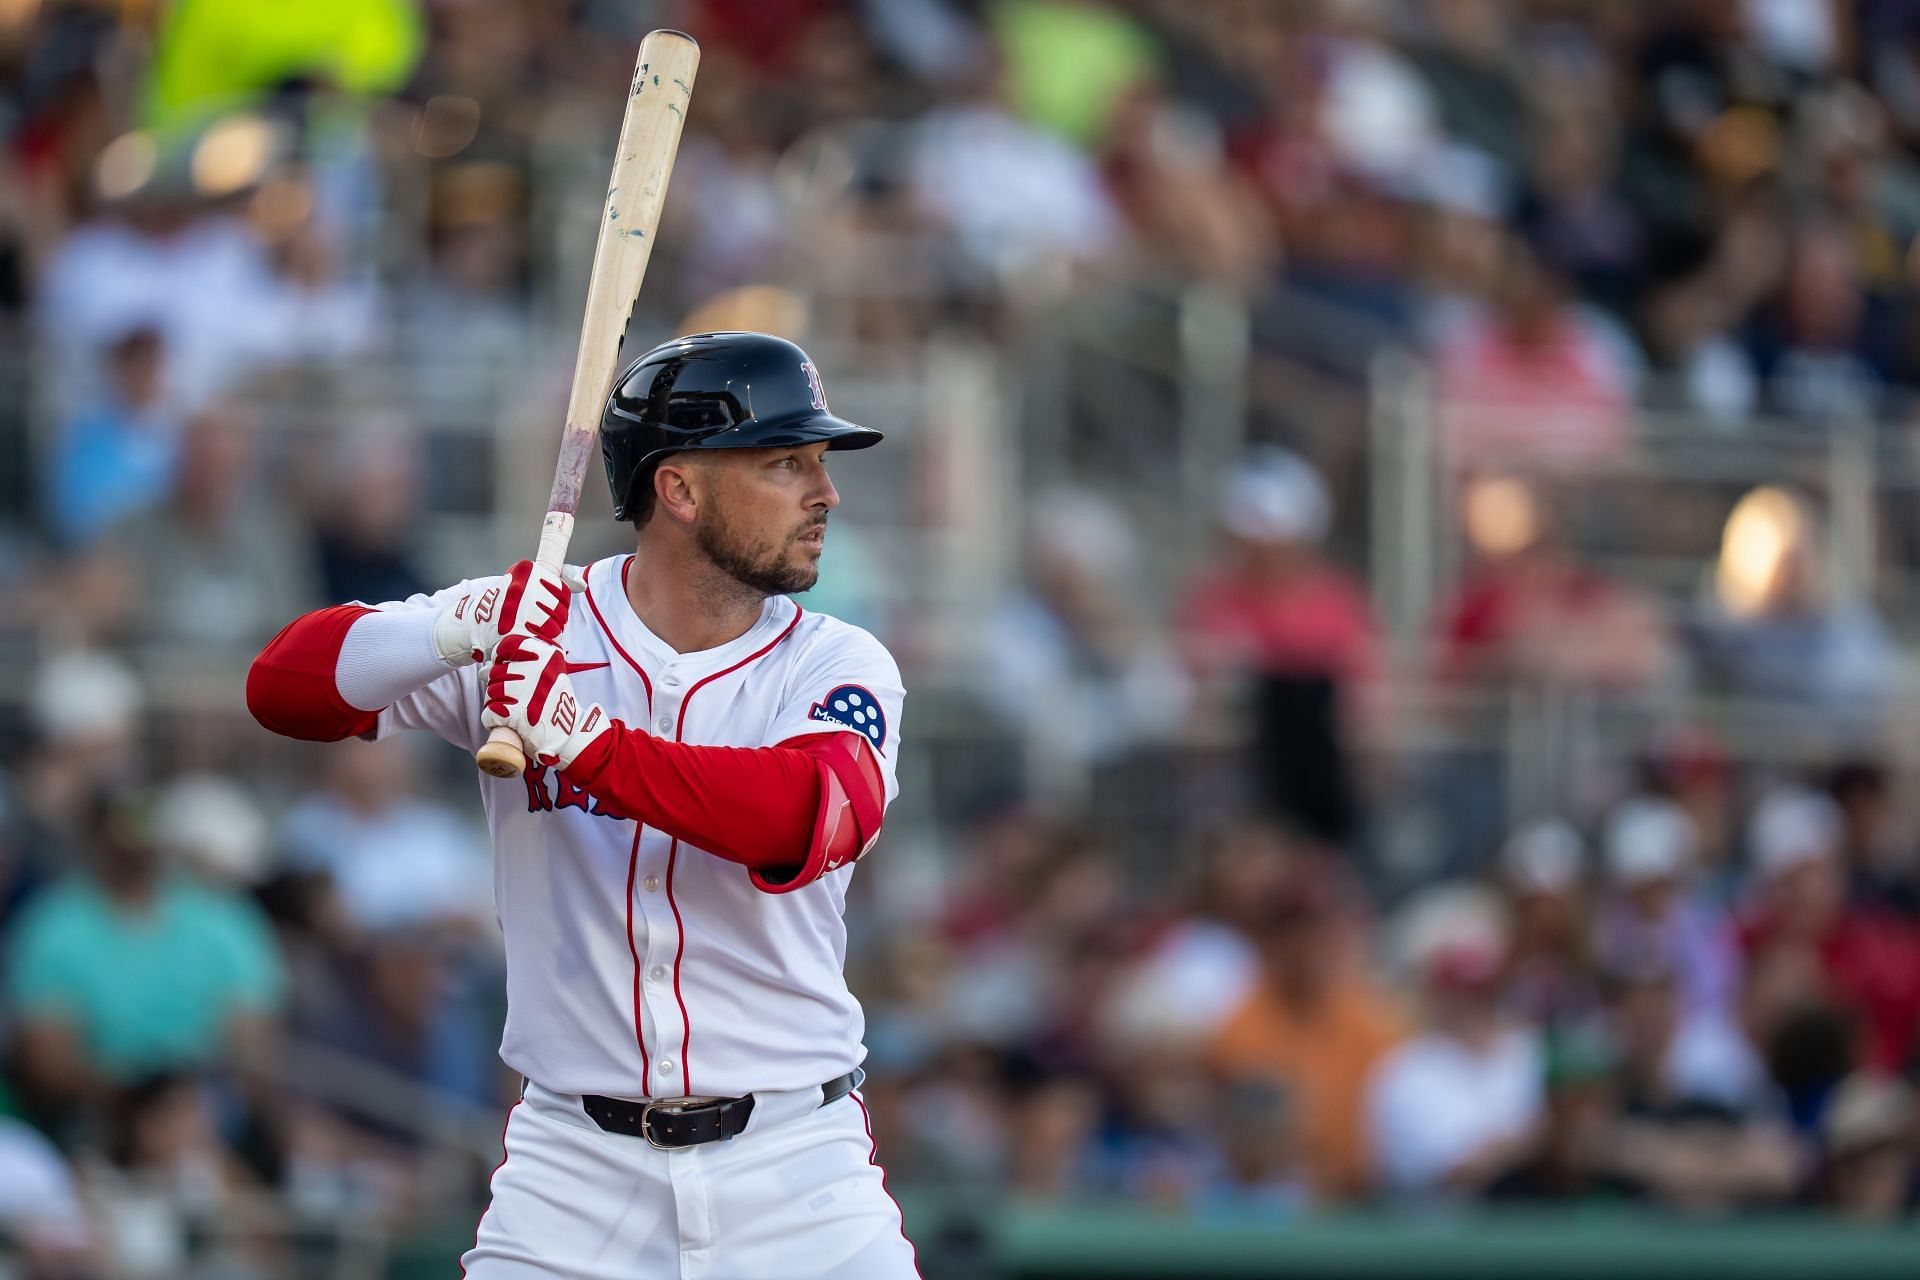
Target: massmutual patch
point(856, 709)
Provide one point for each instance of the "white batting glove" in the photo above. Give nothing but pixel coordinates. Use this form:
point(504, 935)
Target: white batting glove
point(529, 598)
point(529, 692)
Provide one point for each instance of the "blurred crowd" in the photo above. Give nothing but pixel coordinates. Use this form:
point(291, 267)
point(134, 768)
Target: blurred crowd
point(264, 264)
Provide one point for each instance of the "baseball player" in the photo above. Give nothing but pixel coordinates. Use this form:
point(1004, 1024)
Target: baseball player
point(706, 761)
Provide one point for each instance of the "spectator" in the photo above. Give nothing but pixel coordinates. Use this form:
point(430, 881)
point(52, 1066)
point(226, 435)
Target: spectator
point(1690, 767)
point(1706, 286)
point(1778, 629)
point(1823, 342)
point(1574, 1161)
point(364, 524)
point(41, 1211)
point(724, 178)
point(217, 565)
point(1529, 610)
point(1574, 211)
point(1456, 1106)
point(1035, 985)
point(406, 1012)
point(1275, 612)
point(1869, 1147)
point(1194, 215)
point(465, 308)
point(1201, 965)
point(1260, 1169)
point(207, 826)
point(1536, 379)
point(1699, 1127)
point(396, 860)
point(1867, 960)
point(85, 718)
point(128, 967)
point(116, 458)
point(1053, 1126)
point(1549, 979)
point(1883, 869)
point(1015, 197)
point(1314, 1026)
point(167, 1180)
point(1069, 661)
point(159, 258)
point(1655, 913)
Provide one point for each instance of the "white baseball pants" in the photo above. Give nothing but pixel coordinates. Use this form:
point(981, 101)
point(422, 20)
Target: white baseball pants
point(796, 1196)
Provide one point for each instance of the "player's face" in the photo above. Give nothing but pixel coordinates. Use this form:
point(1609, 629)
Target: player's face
point(764, 521)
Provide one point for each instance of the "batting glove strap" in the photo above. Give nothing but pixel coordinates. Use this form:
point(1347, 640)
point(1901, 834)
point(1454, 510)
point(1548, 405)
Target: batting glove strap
point(530, 598)
point(529, 692)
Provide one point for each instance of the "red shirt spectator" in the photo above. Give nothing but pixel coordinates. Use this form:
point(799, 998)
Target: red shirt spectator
point(1869, 959)
point(1274, 606)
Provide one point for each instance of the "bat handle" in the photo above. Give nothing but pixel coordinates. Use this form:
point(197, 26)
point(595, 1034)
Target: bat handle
point(502, 755)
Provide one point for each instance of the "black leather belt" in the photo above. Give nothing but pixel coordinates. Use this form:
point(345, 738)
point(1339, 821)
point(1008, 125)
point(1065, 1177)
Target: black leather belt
point(670, 1125)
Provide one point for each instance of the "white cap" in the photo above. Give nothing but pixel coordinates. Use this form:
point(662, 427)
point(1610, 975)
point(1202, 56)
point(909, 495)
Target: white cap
point(1275, 496)
point(1444, 921)
point(1791, 828)
point(1544, 857)
point(81, 695)
point(1083, 529)
point(211, 825)
point(1650, 839)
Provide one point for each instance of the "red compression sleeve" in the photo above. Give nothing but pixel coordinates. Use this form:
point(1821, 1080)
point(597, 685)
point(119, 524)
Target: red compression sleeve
point(291, 688)
point(756, 806)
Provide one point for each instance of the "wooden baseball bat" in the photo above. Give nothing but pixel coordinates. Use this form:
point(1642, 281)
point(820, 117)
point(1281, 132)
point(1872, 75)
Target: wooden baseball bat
point(649, 135)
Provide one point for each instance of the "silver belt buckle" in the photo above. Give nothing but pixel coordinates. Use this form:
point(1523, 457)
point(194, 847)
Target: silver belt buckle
point(646, 1127)
point(672, 1106)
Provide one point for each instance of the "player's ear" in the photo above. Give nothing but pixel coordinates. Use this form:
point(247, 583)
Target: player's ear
point(677, 491)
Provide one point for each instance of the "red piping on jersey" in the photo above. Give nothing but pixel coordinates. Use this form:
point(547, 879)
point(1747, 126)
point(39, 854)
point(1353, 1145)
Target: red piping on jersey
point(639, 1036)
point(673, 852)
point(633, 858)
point(873, 1158)
point(490, 1177)
point(601, 618)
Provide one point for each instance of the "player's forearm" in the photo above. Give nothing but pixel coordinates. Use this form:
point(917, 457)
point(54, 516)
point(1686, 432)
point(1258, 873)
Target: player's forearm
point(329, 673)
point(751, 805)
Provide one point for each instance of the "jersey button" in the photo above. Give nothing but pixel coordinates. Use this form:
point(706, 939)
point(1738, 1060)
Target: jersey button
point(651, 884)
point(670, 681)
point(666, 1066)
point(656, 973)
point(664, 724)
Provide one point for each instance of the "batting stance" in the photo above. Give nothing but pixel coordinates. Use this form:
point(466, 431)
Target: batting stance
point(706, 761)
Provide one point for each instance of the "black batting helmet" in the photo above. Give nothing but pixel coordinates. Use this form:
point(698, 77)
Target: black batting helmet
point(714, 391)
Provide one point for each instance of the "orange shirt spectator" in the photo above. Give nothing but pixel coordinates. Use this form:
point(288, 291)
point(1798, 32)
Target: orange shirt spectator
point(1316, 1027)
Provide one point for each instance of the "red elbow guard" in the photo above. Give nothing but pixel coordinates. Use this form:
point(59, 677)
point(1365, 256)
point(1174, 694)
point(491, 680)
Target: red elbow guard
point(852, 805)
point(291, 688)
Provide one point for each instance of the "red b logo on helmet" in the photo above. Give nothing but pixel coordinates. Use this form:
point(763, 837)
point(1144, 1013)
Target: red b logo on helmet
point(817, 392)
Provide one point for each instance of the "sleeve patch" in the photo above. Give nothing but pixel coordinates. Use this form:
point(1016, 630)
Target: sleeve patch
point(853, 707)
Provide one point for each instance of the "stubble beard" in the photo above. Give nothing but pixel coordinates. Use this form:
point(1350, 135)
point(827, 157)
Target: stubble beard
point(761, 569)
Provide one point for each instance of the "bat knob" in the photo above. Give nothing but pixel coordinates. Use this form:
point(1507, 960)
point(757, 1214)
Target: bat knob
point(501, 756)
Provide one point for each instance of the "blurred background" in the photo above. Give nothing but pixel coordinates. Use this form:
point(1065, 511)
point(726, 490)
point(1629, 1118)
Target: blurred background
point(1397, 519)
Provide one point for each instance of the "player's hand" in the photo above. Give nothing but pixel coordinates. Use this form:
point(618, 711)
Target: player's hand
point(529, 598)
point(529, 692)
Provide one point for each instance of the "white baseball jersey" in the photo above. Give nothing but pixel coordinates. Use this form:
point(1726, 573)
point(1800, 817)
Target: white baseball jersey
point(637, 965)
